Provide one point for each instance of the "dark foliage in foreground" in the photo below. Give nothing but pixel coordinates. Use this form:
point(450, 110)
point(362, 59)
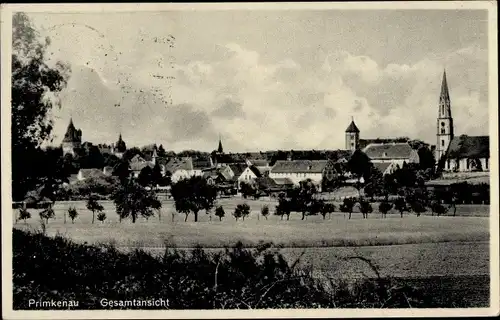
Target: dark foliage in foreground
point(56, 268)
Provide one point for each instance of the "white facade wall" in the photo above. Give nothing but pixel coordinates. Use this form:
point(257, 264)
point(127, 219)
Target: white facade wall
point(296, 178)
point(246, 176)
point(465, 165)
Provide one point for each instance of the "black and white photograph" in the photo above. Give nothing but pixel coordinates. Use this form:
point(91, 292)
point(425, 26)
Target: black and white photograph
point(249, 160)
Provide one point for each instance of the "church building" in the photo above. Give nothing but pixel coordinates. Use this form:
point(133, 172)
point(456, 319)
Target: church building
point(458, 153)
point(72, 139)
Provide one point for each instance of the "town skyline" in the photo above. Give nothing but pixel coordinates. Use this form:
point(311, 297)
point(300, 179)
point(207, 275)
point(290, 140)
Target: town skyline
point(263, 92)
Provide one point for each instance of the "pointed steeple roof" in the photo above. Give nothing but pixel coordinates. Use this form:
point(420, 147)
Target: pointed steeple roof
point(444, 99)
point(352, 128)
point(72, 134)
point(220, 149)
point(120, 144)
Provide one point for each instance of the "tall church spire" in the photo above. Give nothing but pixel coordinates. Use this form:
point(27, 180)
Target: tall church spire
point(444, 99)
point(444, 133)
point(220, 149)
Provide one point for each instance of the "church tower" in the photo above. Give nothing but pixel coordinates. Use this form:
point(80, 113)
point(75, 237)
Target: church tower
point(72, 139)
point(444, 133)
point(219, 148)
point(352, 137)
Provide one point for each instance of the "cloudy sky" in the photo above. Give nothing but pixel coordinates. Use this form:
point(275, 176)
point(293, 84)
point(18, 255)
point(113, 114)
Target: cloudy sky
point(267, 79)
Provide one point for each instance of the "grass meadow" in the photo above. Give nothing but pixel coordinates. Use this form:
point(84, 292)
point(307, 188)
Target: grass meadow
point(408, 247)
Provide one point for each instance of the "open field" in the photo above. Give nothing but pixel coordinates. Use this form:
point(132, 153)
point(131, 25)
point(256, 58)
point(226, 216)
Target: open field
point(313, 232)
point(410, 248)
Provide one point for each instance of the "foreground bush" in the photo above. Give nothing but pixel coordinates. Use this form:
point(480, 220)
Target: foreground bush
point(56, 268)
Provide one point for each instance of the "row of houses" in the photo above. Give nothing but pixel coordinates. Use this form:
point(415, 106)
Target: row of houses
point(231, 172)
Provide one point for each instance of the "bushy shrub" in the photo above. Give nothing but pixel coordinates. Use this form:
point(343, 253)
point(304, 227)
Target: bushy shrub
point(72, 213)
point(265, 211)
point(384, 207)
point(101, 216)
point(241, 211)
point(24, 214)
point(219, 212)
point(233, 278)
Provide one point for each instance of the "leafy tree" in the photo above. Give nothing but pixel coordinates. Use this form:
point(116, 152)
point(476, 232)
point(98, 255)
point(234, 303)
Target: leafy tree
point(375, 185)
point(156, 175)
point(426, 158)
point(101, 216)
point(401, 206)
point(360, 166)
point(283, 207)
point(110, 160)
point(47, 214)
point(418, 207)
point(192, 195)
point(72, 213)
point(131, 200)
point(384, 207)
point(347, 206)
point(132, 152)
point(365, 207)
point(438, 208)
point(265, 211)
point(302, 197)
point(161, 151)
point(241, 211)
point(145, 176)
point(34, 92)
point(122, 170)
point(328, 208)
point(93, 158)
point(24, 214)
point(406, 176)
point(219, 212)
point(93, 205)
point(246, 190)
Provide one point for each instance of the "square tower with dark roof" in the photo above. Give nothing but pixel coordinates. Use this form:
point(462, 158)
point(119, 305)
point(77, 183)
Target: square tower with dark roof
point(352, 137)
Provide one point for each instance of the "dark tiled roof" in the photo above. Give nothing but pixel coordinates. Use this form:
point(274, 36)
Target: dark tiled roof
point(389, 151)
point(382, 166)
point(138, 166)
point(91, 173)
point(255, 171)
point(469, 147)
point(200, 163)
point(283, 181)
point(179, 164)
point(299, 166)
point(237, 168)
point(259, 162)
point(363, 143)
point(352, 128)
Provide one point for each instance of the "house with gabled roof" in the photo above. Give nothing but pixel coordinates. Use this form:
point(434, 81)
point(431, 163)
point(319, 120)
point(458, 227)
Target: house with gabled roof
point(300, 170)
point(249, 175)
point(181, 168)
point(397, 153)
point(89, 173)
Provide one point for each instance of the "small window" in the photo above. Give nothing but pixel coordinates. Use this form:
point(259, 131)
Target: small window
point(486, 162)
point(352, 144)
point(442, 124)
point(468, 163)
point(442, 143)
point(442, 131)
